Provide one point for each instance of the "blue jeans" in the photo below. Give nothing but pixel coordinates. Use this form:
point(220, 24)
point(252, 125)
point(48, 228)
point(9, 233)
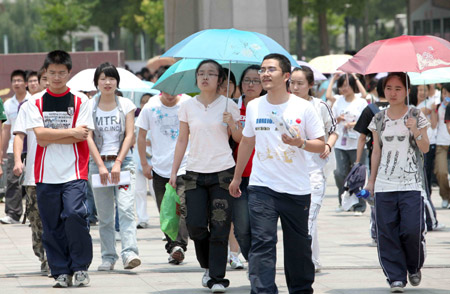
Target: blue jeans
point(266, 206)
point(123, 197)
point(66, 237)
point(241, 219)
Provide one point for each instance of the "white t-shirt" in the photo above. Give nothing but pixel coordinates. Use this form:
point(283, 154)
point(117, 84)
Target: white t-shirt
point(431, 133)
point(210, 151)
point(11, 107)
point(348, 138)
point(20, 127)
point(60, 163)
point(280, 167)
point(442, 137)
point(163, 125)
point(398, 170)
point(108, 123)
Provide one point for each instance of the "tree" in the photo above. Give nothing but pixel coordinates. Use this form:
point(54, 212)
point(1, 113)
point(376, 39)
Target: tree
point(299, 10)
point(61, 18)
point(152, 22)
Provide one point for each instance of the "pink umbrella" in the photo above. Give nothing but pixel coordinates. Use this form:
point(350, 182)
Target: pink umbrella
point(404, 53)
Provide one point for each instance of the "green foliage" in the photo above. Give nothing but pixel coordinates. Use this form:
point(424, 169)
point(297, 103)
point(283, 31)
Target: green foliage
point(152, 19)
point(61, 17)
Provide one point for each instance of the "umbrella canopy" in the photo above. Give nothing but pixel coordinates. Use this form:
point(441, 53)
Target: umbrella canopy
point(404, 54)
point(180, 77)
point(329, 63)
point(318, 76)
point(432, 76)
point(84, 80)
point(135, 94)
point(228, 44)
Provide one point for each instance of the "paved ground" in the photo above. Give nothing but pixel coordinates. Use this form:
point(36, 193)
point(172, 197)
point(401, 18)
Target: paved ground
point(350, 264)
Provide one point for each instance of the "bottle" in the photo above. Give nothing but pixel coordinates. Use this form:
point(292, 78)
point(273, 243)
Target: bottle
point(365, 194)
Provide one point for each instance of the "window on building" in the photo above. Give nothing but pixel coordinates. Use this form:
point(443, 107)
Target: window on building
point(417, 29)
point(447, 29)
point(427, 27)
point(437, 27)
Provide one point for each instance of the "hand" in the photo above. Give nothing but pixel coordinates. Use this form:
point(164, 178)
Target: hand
point(336, 76)
point(411, 124)
point(297, 142)
point(228, 119)
point(115, 172)
point(104, 175)
point(326, 152)
point(370, 187)
point(147, 171)
point(148, 143)
point(81, 132)
point(173, 180)
point(340, 118)
point(349, 125)
point(433, 106)
point(234, 188)
point(17, 170)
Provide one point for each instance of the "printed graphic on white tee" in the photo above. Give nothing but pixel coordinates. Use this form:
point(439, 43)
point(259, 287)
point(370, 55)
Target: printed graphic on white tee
point(168, 123)
point(58, 120)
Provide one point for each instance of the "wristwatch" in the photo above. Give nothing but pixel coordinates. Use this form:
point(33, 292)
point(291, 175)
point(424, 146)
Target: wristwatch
point(418, 138)
point(303, 145)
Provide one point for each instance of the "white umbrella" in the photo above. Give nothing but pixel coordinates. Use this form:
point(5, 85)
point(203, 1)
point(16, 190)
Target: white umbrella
point(318, 76)
point(84, 80)
point(329, 63)
point(431, 76)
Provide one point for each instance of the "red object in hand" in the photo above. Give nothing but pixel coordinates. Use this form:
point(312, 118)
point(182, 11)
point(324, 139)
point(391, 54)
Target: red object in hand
point(298, 120)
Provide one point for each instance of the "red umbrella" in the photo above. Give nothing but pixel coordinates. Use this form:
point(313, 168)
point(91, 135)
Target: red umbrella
point(404, 53)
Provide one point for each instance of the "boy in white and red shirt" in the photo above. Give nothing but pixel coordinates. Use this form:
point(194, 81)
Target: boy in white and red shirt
point(61, 122)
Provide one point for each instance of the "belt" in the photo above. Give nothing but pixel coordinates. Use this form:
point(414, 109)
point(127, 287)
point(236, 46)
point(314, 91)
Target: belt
point(108, 157)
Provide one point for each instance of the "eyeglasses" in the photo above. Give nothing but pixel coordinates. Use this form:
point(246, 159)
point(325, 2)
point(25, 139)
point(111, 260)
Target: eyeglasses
point(250, 81)
point(268, 70)
point(61, 74)
point(207, 75)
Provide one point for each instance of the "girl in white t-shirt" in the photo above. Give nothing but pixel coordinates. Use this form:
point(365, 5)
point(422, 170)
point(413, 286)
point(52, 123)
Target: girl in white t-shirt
point(399, 138)
point(301, 83)
point(109, 145)
point(207, 121)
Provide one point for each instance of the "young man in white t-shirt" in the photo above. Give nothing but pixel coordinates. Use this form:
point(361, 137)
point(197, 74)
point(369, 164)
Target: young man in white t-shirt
point(160, 117)
point(279, 183)
point(61, 122)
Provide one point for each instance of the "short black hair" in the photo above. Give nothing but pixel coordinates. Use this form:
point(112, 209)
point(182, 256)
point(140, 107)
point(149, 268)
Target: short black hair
point(58, 57)
point(232, 80)
point(109, 70)
point(351, 82)
point(19, 72)
point(284, 62)
point(251, 67)
point(380, 89)
point(40, 73)
point(32, 73)
point(220, 71)
point(404, 79)
point(446, 86)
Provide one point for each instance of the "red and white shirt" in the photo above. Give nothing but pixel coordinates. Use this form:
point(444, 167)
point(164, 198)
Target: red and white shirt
point(60, 163)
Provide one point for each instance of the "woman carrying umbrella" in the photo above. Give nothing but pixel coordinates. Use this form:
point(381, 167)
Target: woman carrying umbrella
point(400, 137)
point(301, 83)
point(209, 170)
point(109, 145)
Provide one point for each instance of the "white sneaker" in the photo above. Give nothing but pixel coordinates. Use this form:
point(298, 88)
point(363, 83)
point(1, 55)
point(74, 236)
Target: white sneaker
point(106, 266)
point(7, 220)
point(205, 278)
point(357, 213)
point(132, 262)
point(439, 227)
point(81, 278)
point(63, 281)
point(444, 203)
point(117, 235)
point(218, 288)
point(142, 225)
point(235, 262)
point(176, 255)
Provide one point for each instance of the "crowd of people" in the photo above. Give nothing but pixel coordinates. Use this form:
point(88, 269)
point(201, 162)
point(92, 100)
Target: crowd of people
point(242, 155)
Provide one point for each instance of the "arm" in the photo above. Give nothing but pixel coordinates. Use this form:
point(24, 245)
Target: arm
point(126, 144)
point(448, 126)
point(6, 135)
point(376, 157)
point(102, 170)
point(434, 117)
point(360, 147)
point(245, 151)
point(424, 143)
point(142, 144)
point(17, 150)
point(329, 145)
point(180, 150)
point(360, 86)
point(234, 127)
point(68, 140)
point(47, 134)
point(315, 145)
point(329, 94)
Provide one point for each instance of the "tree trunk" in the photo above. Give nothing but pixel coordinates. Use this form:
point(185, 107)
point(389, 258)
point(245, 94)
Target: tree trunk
point(299, 35)
point(323, 33)
point(357, 24)
point(366, 24)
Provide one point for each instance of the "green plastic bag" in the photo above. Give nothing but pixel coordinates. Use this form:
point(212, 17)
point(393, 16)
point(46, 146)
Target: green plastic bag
point(169, 216)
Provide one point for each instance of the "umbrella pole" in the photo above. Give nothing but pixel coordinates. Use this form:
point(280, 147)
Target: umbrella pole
point(228, 85)
point(407, 89)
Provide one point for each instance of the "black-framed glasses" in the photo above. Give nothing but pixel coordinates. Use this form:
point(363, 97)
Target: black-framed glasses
point(250, 81)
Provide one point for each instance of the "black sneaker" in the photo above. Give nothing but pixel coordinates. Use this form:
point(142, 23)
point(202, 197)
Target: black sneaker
point(414, 279)
point(397, 287)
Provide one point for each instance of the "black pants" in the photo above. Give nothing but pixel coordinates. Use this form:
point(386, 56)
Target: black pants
point(14, 193)
point(209, 213)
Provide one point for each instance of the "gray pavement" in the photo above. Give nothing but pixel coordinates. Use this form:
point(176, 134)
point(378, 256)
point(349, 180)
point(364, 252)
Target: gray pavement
point(350, 265)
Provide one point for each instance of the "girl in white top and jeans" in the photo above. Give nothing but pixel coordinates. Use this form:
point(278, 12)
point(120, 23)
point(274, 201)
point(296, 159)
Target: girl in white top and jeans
point(209, 170)
point(109, 145)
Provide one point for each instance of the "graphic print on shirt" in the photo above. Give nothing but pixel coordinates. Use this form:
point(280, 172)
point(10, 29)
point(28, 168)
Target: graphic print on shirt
point(168, 123)
point(109, 123)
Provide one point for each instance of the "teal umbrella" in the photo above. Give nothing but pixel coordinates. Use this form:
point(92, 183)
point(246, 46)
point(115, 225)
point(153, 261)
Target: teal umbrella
point(180, 77)
point(431, 76)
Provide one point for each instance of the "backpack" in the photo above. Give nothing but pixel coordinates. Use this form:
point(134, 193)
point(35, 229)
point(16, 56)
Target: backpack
point(380, 126)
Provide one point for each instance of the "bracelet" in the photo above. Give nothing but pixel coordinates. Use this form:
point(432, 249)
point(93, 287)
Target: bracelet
point(328, 146)
point(117, 159)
